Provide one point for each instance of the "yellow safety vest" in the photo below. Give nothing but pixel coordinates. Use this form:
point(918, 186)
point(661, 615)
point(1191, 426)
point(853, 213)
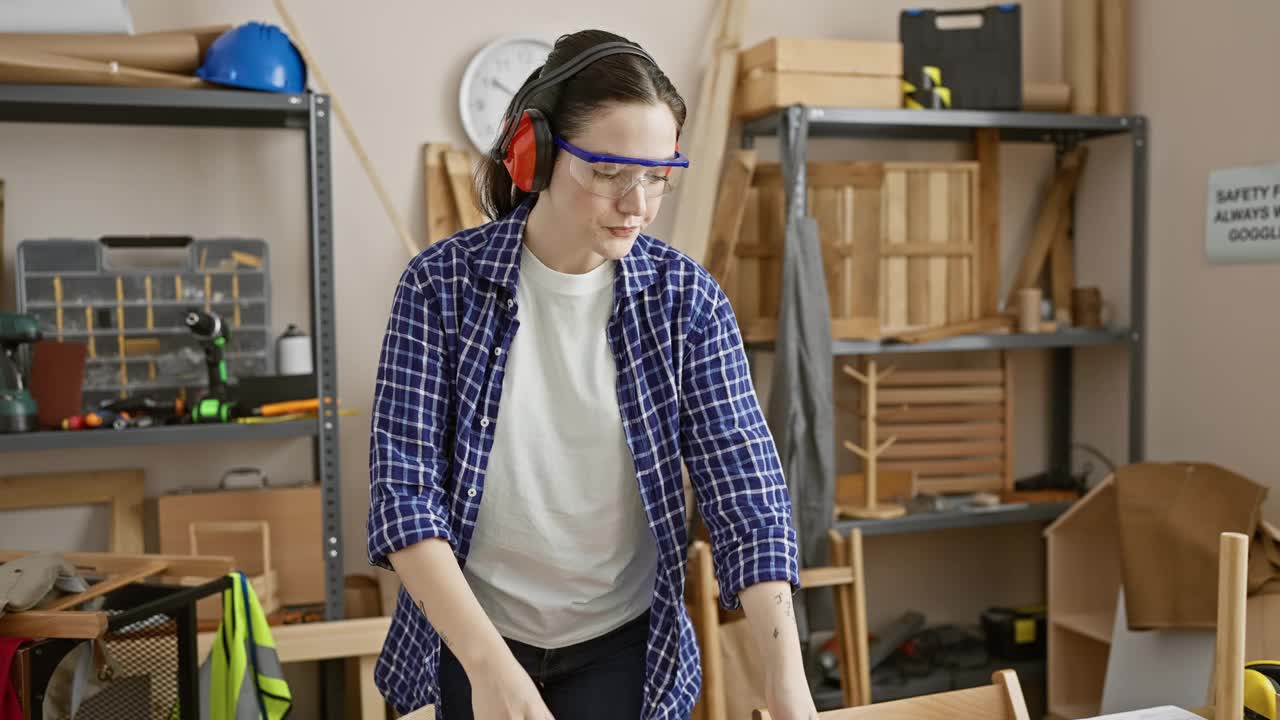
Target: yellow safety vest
point(242, 679)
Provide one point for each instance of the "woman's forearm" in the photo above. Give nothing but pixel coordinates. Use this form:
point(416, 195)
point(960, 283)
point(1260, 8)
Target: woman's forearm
point(773, 625)
point(431, 574)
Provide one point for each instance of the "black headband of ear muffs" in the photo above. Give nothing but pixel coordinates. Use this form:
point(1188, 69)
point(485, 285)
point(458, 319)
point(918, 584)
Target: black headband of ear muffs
point(558, 75)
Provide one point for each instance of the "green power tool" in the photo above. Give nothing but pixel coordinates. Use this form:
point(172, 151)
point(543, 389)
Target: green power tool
point(17, 406)
point(213, 334)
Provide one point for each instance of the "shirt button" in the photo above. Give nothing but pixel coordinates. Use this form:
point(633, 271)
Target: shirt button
point(511, 303)
point(497, 351)
point(484, 422)
point(471, 492)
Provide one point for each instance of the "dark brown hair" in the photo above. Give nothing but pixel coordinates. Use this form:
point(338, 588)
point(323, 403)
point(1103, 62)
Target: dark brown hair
point(570, 105)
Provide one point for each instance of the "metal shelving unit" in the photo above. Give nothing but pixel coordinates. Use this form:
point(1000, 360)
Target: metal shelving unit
point(305, 112)
point(798, 122)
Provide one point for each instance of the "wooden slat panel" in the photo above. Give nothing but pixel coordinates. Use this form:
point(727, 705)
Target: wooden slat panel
point(939, 230)
point(730, 203)
point(928, 249)
point(907, 451)
point(1006, 358)
point(919, 219)
point(977, 483)
point(772, 232)
point(963, 297)
point(955, 413)
point(851, 488)
point(893, 302)
point(824, 207)
point(943, 431)
point(924, 468)
point(54, 624)
point(909, 378)
point(860, 174)
point(865, 276)
point(941, 396)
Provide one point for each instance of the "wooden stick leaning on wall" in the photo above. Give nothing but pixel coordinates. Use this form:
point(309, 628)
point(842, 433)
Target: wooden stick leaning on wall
point(710, 132)
point(728, 219)
point(987, 143)
point(313, 69)
point(1056, 203)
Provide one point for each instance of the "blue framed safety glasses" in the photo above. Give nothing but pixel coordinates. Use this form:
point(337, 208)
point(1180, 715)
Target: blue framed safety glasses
point(614, 176)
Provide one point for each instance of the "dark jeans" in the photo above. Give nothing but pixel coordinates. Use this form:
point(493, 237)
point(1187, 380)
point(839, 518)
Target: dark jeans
point(601, 677)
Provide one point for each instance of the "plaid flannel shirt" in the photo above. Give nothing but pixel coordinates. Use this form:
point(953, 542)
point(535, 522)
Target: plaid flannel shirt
point(685, 394)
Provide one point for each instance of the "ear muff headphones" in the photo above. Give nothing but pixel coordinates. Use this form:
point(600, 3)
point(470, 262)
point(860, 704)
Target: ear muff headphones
point(1261, 686)
point(526, 146)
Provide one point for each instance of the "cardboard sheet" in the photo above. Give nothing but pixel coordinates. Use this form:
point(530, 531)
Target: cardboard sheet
point(24, 65)
point(1170, 517)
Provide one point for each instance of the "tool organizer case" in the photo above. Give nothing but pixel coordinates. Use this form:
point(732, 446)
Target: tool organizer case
point(113, 292)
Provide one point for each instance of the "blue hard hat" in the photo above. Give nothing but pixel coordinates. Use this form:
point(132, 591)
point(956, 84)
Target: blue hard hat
point(257, 56)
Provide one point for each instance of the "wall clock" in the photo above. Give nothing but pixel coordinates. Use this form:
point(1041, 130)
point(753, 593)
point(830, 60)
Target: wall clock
point(491, 79)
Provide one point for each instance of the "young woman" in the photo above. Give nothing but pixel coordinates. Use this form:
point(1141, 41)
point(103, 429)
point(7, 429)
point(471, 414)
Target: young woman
point(542, 379)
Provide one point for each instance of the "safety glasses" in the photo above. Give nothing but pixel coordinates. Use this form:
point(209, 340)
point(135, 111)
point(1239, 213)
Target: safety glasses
point(614, 176)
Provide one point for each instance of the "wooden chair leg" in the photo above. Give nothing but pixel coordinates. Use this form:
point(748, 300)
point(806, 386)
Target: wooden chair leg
point(860, 630)
point(836, 555)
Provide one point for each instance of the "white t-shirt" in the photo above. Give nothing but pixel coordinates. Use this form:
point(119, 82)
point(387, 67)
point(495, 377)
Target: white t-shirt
point(562, 551)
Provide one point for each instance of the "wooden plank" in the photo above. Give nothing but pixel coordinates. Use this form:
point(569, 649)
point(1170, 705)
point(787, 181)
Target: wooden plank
point(1062, 273)
point(458, 165)
point(442, 216)
point(144, 570)
point(762, 91)
point(998, 323)
point(121, 490)
point(853, 553)
point(941, 395)
point(69, 624)
point(851, 488)
point(857, 174)
point(960, 484)
point(924, 468)
point(1006, 358)
point(1056, 202)
point(824, 207)
point(820, 577)
point(930, 249)
point(987, 144)
point(828, 56)
point(707, 595)
point(940, 222)
point(329, 640)
point(893, 301)
point(1113, 91)
point(907, 378)
point(745, 282)
point(943, 431)
point(864, 276)
point(855, 328)
point(710, 134)
point(730, 206)
point(772, 230)
point(918, 221)
point(111, 563)
point(952, 413)
point(968, 449)
point(964, 226)
point(1080, 53)
point(844, 626)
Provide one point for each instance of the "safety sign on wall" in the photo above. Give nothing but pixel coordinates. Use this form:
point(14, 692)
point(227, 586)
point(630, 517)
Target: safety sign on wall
point(1243, 219)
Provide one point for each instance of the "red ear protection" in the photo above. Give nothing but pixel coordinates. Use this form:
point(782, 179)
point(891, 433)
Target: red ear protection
point(529, 156)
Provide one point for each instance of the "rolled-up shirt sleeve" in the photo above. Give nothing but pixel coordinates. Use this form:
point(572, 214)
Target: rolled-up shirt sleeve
point(412, 418)
point(732, 461)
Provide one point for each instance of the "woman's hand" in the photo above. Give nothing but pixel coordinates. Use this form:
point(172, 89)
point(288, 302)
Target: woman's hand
point(787, 695)
point(505, 692)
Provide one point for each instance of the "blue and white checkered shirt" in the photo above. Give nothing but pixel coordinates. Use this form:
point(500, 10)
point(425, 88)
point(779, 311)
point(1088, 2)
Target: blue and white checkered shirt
point(685, 394)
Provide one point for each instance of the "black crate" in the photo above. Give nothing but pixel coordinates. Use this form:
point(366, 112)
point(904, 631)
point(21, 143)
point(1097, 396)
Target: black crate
point(982, 66)
point(151, 634)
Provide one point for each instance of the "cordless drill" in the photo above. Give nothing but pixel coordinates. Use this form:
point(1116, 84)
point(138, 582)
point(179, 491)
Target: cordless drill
point(212, 332)
point(17, 406)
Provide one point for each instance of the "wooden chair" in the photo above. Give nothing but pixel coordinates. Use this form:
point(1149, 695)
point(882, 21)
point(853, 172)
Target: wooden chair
point(844, 576)
point(1002, 700)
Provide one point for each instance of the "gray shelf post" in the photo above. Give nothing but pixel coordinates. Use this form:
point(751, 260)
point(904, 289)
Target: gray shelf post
point(1138, 294)
point(325, 333)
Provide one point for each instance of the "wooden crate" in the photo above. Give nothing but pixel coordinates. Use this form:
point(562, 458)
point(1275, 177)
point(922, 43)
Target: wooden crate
point(899, 243)
point(951, 428)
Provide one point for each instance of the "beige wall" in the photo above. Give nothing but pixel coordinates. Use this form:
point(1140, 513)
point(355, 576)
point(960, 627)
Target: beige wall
point(396, 65)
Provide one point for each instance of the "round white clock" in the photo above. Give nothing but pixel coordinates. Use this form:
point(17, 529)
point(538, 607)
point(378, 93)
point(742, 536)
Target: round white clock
point(491, 79)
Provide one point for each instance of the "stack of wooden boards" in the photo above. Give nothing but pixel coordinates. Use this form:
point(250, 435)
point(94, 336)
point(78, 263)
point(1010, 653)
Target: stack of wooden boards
point(784, 71)
point(450, 194)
